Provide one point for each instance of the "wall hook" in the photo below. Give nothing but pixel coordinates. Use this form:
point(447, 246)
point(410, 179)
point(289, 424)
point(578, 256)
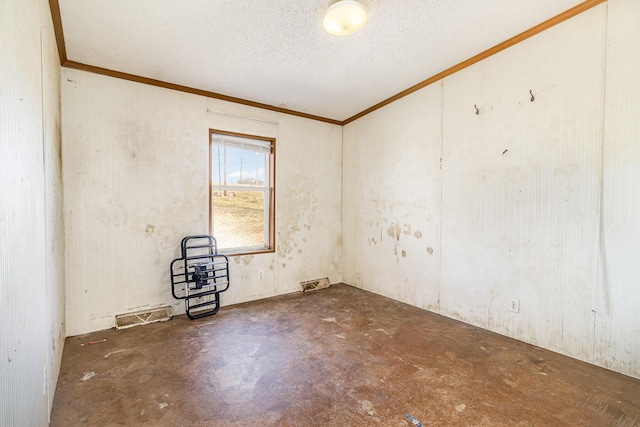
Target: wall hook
point(533, 98)
point(477, 111)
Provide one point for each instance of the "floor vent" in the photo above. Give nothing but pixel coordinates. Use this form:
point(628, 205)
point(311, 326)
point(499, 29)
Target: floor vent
point(314, 285)
point(143, 317)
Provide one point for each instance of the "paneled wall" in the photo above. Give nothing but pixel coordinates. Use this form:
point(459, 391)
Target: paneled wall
point(520, 185)
point(137, 155)
point(392, 198)
point(423, 201)
point(617, 341)
point(54, 225)
point(529, 201)
point(31, 230)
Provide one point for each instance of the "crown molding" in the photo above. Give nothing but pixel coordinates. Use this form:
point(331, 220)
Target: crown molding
point(65, 62)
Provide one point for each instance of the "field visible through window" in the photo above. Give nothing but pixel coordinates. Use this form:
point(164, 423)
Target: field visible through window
point(238, 218)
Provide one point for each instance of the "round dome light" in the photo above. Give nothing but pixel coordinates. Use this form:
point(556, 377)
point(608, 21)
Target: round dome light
point(344, 17)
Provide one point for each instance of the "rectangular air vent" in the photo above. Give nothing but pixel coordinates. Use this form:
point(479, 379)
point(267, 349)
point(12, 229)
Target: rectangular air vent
point(313, 285)
point(159, 314)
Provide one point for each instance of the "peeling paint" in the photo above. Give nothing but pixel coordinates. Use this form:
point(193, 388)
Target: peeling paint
point(418, 234)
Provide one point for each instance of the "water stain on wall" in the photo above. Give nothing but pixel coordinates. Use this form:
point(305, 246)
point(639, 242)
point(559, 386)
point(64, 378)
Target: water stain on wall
point(286, 242)
point(246, 260)
point(299, 220)
point(394, 231)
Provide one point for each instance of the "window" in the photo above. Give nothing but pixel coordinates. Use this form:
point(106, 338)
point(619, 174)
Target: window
point(241, 192)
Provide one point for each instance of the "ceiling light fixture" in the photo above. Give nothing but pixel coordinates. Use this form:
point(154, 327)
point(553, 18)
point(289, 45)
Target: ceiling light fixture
point(344, 17)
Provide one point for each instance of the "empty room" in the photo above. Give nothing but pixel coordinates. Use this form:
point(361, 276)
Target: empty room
point(320, 213)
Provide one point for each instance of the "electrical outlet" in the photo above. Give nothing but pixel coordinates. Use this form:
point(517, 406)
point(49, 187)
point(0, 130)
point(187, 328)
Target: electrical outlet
point(514, 305)
point(261, 274)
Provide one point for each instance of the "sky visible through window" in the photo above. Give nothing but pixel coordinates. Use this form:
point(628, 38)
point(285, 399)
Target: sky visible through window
point(234, 166)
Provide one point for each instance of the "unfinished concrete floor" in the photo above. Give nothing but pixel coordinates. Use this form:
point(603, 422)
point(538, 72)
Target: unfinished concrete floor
point(334, 357)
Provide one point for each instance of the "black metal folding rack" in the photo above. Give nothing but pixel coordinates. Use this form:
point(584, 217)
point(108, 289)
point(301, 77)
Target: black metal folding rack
point(199, 276)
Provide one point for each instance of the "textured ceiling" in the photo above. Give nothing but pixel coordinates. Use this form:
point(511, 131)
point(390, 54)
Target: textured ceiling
point(276, 52)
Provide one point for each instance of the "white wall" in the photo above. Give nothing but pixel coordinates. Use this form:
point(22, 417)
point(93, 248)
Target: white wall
point(54, 225)
point(618, 293)
point(31, 232)
point(391, 199)
point(520, 188)
point(515, 211)
point(135, 155)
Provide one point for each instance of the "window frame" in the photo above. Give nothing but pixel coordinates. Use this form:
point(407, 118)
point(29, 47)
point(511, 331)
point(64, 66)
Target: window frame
point(270, 204)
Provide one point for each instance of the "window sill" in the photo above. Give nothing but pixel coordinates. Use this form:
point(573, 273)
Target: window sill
point(240, 252)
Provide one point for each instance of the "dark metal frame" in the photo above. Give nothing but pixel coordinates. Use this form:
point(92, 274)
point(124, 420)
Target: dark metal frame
point(199, 276)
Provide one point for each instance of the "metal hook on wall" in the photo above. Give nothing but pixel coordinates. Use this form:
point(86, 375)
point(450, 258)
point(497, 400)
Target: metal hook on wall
point(533, 98)
point(477, 111)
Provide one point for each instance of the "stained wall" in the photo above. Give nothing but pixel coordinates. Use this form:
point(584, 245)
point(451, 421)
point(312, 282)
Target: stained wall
point(31, 228)
point(617, 326)
point(137, 155)
point(527, 201)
